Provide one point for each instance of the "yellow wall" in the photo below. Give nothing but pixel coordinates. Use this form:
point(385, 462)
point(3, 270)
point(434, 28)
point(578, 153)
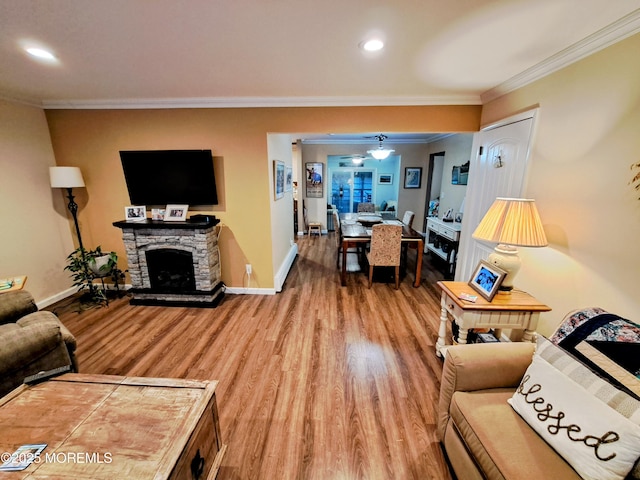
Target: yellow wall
point(588, 135)
point(91, 140)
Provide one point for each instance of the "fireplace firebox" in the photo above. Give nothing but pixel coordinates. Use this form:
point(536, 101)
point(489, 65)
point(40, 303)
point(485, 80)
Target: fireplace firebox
point(171, 270)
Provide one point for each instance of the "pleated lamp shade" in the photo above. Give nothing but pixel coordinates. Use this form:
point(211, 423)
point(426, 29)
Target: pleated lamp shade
point(512, 221)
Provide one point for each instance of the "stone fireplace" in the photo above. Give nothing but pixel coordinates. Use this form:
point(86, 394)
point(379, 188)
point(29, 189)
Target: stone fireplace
point(173, 263)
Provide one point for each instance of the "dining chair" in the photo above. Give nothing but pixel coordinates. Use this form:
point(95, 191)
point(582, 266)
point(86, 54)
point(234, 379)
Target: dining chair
point(366, 207)
point(385, 248)
point(408, 218)
point(338, 230)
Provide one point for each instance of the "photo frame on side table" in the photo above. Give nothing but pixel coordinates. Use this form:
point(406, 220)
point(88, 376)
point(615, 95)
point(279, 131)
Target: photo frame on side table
point(412, 177)
point(486, 279)
point(135, 213)
point(176, 213)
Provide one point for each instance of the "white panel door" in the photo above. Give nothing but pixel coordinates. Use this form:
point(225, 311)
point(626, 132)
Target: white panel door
point(498, 169)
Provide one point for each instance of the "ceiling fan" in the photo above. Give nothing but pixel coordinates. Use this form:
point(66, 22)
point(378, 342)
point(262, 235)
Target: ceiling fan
point(356, 158)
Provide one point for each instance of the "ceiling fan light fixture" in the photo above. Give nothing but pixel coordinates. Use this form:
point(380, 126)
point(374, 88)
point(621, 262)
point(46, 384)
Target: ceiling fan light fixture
point(380, 153)
point(357, 160)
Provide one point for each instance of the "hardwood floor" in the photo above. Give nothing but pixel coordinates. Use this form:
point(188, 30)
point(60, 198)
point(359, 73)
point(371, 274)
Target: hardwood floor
point(317, 382)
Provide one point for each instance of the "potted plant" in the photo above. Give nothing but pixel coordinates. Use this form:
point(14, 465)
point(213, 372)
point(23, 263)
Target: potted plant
point(88, 265)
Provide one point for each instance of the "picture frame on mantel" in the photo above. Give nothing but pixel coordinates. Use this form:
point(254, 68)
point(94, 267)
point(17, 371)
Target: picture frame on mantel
point(158, 213)
point(176, 213)
point(135, 213)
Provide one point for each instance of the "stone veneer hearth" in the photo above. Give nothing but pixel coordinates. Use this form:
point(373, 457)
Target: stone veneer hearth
point(198, 238)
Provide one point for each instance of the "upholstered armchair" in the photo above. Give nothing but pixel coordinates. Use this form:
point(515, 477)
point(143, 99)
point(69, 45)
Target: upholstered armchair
point(386, 241)
point(30, 340)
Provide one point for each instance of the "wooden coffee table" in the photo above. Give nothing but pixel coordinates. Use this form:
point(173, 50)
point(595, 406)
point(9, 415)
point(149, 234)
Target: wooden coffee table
point(107, 427)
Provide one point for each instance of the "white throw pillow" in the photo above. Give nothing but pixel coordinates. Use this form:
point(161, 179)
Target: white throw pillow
point(598, 442)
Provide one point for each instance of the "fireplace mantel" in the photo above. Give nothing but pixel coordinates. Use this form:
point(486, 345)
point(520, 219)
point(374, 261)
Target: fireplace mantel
point(188, 225)
point(199, 238)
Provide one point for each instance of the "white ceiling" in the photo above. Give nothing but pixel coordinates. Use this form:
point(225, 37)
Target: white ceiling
point(163, 53)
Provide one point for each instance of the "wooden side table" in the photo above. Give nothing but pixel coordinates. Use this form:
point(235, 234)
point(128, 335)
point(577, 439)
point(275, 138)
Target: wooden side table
point(518, 311)
point(17, 283)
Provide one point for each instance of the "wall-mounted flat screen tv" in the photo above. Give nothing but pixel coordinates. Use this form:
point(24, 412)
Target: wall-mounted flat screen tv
point(161, 177)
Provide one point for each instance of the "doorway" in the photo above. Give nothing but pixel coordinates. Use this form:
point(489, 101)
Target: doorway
point(434, 185)
point(350, 187)
point(499, 169)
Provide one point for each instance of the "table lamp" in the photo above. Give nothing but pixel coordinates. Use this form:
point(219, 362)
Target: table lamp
point(69, 178)
point(511, 223)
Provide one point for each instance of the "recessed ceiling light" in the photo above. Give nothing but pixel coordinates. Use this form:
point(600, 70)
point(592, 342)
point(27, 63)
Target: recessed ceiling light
point(372, 45)
point(40, 53)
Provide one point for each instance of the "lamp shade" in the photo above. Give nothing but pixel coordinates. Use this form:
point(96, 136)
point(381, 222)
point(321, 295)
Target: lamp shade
point(65, 177)
point(512, 221)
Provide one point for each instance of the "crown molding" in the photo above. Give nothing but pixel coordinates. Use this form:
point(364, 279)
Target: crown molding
point(623, 28)
point(253, 102)
point(364, 141)
point(617, 31)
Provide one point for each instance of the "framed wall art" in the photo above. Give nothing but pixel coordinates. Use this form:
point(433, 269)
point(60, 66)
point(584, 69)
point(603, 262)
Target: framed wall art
point(385, 179)
point(314, 175)
point(288, 179)
point(486, 279)
point(412, 177)
point(278, 179)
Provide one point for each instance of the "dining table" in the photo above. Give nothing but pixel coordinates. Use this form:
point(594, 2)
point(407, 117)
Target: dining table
point(356, 229)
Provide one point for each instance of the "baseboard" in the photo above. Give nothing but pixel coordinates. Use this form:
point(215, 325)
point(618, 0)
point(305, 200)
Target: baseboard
point(71, 291)
point(249, 291)
point(56, 298)
point(279, 279)
point(283, 271)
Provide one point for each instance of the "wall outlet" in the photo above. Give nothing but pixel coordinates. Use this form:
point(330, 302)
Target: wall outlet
point(248, 267)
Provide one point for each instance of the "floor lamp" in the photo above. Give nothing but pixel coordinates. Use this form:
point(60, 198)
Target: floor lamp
point(69, 178)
